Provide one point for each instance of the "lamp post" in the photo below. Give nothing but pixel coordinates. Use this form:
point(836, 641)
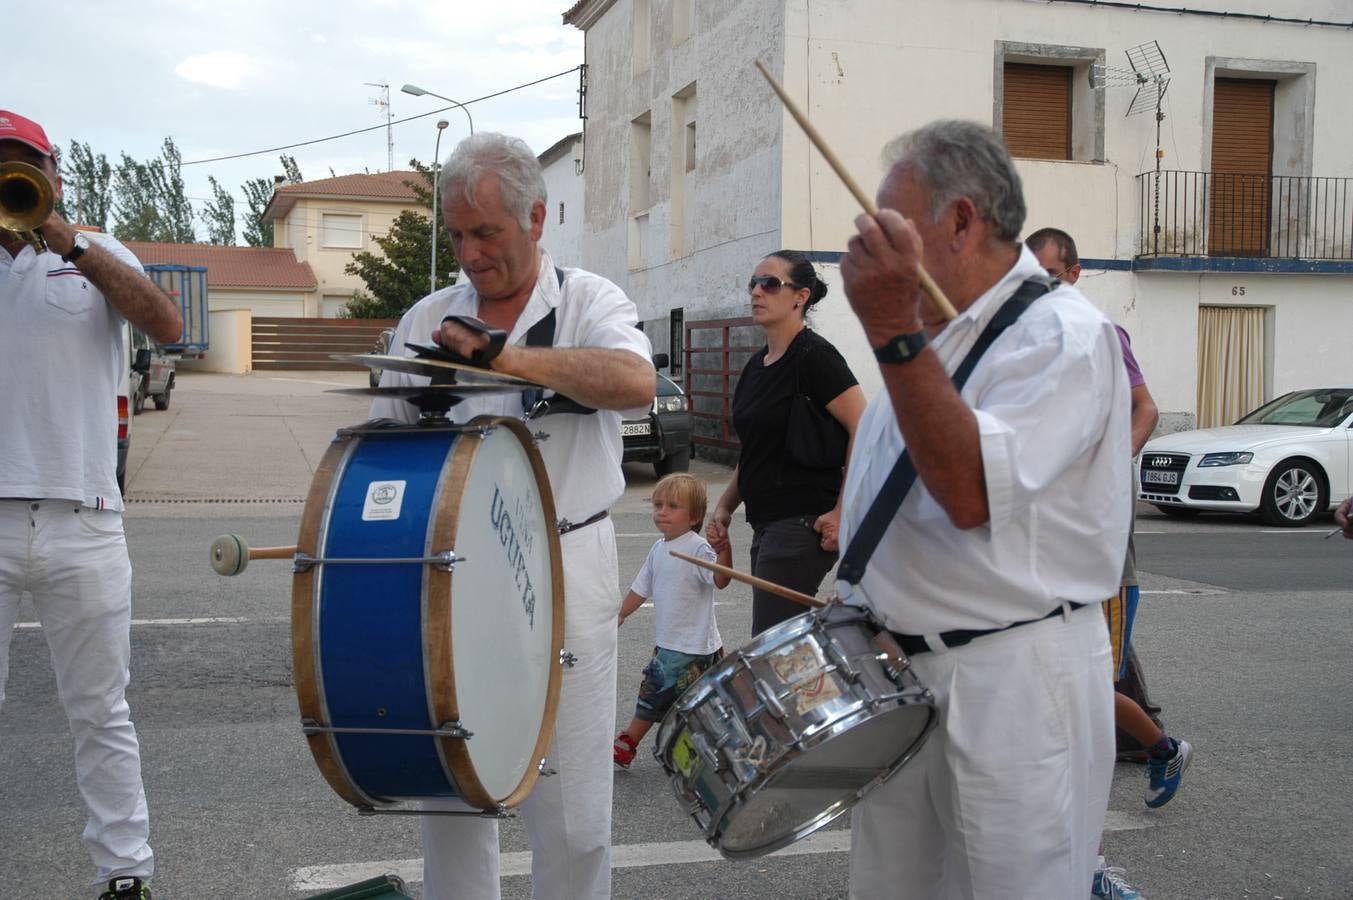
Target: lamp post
point(436, 165)
point(416, 91)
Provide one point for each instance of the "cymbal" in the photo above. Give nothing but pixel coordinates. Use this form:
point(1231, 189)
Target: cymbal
point(432, 368)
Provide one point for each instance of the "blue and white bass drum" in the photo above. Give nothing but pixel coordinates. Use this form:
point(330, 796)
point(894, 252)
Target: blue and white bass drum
point(428, 614)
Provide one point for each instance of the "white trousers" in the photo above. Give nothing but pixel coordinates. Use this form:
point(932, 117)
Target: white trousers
point(568, 814)
point(1008, 796)
point(73, 563)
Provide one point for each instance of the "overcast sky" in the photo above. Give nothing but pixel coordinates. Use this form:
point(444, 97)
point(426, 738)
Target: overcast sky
point(234, 76)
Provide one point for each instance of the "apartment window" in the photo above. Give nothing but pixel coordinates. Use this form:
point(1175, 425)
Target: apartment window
point(640, 37)
point(1037, 115)
point(1044, 103)
point(341, 231)
point(683, 21)
point(641, 155)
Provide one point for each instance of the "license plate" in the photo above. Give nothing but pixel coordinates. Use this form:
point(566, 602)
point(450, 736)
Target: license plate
point(1152, 477)
point(632, 428)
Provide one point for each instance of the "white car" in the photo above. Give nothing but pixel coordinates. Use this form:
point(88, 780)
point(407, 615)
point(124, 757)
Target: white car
point(1291, 459)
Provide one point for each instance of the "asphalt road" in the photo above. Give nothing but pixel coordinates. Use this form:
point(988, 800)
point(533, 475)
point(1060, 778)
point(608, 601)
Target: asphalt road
point(1244, 633)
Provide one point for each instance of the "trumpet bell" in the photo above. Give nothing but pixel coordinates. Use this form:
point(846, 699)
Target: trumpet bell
point(26, 200)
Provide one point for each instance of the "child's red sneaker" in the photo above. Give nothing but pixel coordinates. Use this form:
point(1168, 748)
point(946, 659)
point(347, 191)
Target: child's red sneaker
point(625, 748)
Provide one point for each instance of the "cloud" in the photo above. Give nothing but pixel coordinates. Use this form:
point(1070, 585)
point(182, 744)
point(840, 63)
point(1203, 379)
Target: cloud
point(220, 68)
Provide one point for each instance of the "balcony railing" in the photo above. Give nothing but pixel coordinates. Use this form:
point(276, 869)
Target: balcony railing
point(1222, 214)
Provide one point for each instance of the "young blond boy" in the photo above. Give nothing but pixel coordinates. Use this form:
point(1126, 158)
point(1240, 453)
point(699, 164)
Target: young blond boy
point(688, 639)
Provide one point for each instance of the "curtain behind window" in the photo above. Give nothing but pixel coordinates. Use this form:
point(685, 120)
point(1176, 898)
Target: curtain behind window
point(1230, 363)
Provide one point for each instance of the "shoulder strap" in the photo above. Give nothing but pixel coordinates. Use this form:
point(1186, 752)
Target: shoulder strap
point(903, 475)
point(541, 334)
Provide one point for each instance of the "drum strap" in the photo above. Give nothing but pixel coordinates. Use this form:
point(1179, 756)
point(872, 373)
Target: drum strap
point(541, 334)
point(903, 475)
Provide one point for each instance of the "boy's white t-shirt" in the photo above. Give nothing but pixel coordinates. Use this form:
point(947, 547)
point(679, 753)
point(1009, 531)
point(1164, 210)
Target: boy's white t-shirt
point(682, 594)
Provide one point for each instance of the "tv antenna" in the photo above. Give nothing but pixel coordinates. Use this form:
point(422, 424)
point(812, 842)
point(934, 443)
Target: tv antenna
point(383, 101)
point(1150, 73)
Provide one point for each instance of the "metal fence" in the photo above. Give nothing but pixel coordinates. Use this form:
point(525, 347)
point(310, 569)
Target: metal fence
point(1223, 214)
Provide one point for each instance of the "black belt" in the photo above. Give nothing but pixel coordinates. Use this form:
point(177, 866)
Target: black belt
point(913, 644)
point(565, 526)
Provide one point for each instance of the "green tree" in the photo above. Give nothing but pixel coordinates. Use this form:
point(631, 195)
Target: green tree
point(397, 278)
point(257, 195)
point(219, 216)
point(150, 201)
point(86, 179)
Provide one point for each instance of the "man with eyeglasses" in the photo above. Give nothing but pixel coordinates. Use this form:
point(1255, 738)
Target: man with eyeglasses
point(991, 570)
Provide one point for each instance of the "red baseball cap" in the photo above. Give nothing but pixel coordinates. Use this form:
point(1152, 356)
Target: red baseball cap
point(14, 127)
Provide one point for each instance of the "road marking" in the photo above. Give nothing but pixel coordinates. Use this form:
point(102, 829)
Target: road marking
point(342, 384)
point(1193, 591)
point(623, 856)
point(213, 620)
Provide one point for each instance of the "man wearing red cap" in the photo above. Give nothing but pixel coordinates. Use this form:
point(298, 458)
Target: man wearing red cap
point(61, 539)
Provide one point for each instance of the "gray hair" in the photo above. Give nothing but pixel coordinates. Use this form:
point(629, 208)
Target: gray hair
point(520, 179)
point(951, 159)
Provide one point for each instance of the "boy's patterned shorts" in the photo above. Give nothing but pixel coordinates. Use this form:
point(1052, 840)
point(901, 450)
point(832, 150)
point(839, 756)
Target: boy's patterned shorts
point(666, 677)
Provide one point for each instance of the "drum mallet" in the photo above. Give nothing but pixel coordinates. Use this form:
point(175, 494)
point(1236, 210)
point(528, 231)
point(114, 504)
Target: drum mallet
point(230, 554)
point(927, 283)
point(772, 587)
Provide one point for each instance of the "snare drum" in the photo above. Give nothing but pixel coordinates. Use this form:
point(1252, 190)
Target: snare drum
point(427, 614)
point(789, 732)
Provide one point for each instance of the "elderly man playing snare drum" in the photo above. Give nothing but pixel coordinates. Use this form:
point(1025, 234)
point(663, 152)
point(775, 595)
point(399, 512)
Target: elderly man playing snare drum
point(493, 200)
point(992, 571)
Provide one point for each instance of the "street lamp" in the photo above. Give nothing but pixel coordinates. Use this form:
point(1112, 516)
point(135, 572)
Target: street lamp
point(436, 164)
point(416, 91)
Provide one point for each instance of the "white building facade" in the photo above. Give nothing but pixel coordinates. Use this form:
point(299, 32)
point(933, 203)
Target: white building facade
point(693, 171)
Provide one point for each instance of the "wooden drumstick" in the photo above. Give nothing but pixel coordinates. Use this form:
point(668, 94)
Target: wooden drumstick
point(230, 554)
point(772, 587)
point(927, 283)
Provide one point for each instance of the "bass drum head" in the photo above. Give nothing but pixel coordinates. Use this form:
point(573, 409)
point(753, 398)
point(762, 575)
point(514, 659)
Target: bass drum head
point(812, 789)
point(506, 623)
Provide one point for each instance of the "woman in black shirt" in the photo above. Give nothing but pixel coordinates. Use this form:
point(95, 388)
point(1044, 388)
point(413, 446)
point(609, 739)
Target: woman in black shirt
point(793, 499)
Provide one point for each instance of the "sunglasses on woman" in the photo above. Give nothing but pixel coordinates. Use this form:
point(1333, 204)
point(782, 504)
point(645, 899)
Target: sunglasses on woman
point(770, 284)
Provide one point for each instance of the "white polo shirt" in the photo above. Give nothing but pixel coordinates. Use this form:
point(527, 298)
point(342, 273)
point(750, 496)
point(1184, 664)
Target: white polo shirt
point(1052, 404)
point(581, 452)
point(61, 360)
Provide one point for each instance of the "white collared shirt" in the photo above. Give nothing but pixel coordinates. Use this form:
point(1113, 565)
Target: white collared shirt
point(62, 359)
point(1053, 410)
point(581, 452)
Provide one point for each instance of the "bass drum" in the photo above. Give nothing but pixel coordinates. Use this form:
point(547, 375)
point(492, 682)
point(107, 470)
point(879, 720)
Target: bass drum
point(427, 614)
point(788, 733)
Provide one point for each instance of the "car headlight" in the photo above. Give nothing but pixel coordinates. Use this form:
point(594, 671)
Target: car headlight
point(670, 404)
point(1224, 459)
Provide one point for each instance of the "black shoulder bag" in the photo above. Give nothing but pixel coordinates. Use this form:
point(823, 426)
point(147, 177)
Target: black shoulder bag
point(813, 437)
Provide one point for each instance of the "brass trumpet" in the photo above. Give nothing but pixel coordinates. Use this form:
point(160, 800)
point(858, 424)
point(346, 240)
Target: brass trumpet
point(26, 200)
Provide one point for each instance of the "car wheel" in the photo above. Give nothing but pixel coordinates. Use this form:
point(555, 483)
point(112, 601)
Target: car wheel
point(162, 400)
point(1177, 512)
point(676, 462)
point(1294, 494)
point(139, 399)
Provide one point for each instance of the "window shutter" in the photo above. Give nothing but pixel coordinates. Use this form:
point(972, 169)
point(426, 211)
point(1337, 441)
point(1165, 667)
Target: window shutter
point(1242, 163)
point(1036, 111)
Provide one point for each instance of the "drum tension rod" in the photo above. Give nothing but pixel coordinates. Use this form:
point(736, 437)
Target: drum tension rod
point(447, 730)
point(447, 559)
point(498, 812)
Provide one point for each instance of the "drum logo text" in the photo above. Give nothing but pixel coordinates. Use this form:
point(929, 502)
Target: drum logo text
point(517, 549)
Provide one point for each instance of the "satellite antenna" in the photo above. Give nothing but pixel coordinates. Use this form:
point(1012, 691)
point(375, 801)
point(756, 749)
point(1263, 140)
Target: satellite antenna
point(383, 101)
point(1150, 73)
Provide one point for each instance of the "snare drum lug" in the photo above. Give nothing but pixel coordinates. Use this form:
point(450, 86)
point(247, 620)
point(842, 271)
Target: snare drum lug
point(769, 700)
point(567, 659)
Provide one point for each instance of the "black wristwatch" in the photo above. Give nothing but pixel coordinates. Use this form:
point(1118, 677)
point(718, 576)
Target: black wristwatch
point(79, 248)
point(901, 349)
